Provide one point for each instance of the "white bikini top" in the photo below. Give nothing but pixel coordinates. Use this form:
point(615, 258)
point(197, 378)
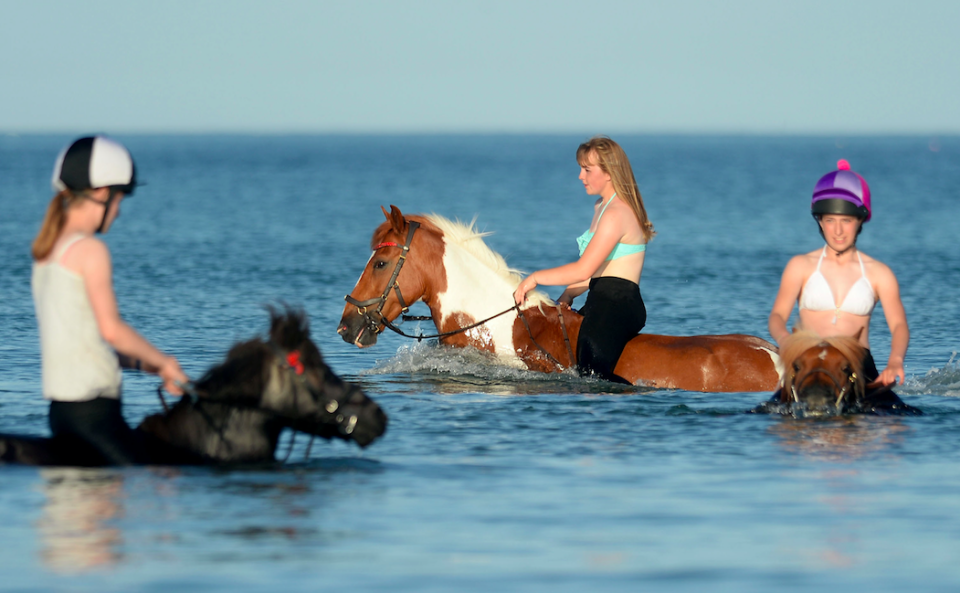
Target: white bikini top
point(817, 296)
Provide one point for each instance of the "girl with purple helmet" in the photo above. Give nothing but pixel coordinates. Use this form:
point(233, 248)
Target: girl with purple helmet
point(837, 287)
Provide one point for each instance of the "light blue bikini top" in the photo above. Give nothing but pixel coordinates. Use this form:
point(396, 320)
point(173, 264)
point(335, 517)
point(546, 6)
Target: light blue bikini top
point(619, 250)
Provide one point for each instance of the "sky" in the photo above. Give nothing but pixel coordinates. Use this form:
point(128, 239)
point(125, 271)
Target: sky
point(490, 66)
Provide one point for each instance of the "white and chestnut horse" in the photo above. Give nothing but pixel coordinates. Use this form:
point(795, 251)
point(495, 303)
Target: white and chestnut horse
point(469, 291)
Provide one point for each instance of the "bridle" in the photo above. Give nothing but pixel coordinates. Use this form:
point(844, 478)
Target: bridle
point(842, 389)
point(289, 363)
point(375, 319)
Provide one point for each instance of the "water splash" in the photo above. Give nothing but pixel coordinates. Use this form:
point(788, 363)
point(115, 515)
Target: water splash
point(460, 369)
point(944, 381)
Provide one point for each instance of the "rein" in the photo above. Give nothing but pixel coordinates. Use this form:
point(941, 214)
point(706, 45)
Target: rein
point(375, 319)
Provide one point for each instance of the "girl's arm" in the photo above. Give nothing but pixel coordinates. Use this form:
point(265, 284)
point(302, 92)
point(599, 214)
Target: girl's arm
point(573, 291)
point(580, 271)
point(92, 260)
point(791, 283)
point(889, 292)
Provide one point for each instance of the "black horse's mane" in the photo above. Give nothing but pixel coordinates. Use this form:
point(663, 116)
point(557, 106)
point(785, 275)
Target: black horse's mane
point(241, 377)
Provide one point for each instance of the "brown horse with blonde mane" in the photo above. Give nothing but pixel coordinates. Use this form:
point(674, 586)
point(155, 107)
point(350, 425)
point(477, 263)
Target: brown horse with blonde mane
point(824, 376)
point(469, 291)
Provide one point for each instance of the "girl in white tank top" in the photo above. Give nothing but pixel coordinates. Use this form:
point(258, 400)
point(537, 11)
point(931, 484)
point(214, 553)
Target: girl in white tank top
point(83, 340)
point(78, 364)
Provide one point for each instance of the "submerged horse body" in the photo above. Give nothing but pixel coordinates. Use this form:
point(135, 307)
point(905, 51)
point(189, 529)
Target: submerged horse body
point(825, 377)
point(465, 284)
point(239, 408)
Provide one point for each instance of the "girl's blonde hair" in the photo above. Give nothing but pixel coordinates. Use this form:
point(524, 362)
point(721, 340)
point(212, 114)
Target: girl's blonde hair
point(613, 161)
point(53, 222)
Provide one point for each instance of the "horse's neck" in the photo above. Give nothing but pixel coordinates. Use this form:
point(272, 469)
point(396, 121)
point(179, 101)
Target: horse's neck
point(216, 431)
point(472, 288)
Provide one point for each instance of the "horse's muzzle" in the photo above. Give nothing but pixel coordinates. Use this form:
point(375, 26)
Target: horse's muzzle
point(357, 329)
point(362, 420)
point(817, 397)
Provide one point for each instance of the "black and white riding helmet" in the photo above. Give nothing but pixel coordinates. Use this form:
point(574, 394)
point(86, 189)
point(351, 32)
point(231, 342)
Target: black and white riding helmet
point(94, 162)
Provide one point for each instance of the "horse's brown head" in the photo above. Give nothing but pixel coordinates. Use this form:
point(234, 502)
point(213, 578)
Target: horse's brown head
point(822, 375)
point(390, 282)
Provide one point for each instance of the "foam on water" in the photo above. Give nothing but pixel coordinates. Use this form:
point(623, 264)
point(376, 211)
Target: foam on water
point(481, 370)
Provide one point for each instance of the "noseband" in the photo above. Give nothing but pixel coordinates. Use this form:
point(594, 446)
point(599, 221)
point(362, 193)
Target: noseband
point(842, 390)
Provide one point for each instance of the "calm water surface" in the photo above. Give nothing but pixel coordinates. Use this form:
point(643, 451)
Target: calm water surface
point(492, 478)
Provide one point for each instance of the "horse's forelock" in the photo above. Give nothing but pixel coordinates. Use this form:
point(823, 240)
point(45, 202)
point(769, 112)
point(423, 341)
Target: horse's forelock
point(379, 235)
point(289, 327)
point(854, 352)
point(799, 342)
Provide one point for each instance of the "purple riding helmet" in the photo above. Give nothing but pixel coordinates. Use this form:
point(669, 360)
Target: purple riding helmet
point(842, 192)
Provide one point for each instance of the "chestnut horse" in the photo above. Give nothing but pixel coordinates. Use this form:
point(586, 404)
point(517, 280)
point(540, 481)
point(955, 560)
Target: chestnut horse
point(824, 376)
point(469, 291)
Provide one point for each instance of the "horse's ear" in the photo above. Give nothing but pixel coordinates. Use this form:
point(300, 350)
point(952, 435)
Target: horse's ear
point(395, 218)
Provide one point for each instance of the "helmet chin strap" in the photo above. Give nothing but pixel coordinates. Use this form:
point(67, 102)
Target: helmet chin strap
point(106, 209)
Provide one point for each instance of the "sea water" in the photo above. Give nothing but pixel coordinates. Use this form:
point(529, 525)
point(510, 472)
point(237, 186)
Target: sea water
point(492, 478)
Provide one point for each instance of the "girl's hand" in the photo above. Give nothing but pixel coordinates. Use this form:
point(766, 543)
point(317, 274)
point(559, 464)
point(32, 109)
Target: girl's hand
point(891, 374)
point(172, 374)
point(526, 285)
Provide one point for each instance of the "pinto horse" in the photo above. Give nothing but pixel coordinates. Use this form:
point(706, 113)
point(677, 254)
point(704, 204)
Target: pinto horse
point(824, 376)
point(238, 409)
point(469, 291)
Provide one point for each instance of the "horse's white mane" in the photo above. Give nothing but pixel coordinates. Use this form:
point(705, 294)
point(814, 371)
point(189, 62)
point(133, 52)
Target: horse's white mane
point(468, 238)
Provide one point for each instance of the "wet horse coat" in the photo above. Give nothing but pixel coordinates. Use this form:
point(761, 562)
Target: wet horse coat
point(240, 409)
point(462, 281)
point(825, 376)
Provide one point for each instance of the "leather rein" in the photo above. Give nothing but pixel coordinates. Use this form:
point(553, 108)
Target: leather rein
point(375, 319)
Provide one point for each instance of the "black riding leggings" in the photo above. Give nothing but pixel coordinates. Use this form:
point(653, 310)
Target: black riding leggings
point(613, 314)
point(97, 426)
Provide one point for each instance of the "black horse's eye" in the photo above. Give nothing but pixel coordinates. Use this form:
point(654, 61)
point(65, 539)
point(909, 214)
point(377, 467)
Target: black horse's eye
point(796, 366)
point(379, 264)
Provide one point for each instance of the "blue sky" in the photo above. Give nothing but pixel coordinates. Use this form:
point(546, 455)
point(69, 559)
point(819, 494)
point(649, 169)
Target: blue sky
point(736, 66)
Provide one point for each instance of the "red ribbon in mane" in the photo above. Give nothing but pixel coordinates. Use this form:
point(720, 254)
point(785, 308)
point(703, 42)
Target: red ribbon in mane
point(293, 359)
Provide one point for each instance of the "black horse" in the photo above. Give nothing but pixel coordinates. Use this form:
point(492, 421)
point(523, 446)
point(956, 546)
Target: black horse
point(238, 409)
